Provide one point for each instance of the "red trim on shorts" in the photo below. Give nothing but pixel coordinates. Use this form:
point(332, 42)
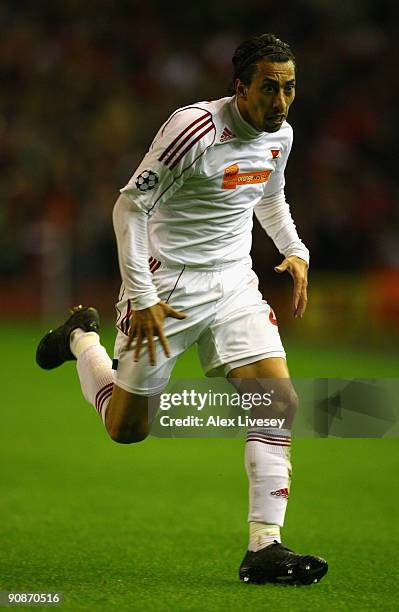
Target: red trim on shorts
point(125, 322)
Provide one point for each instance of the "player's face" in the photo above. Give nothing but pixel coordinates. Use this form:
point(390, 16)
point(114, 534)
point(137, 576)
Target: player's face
point(265, 102)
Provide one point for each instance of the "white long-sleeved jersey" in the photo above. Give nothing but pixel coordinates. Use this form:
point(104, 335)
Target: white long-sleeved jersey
point(205, 173)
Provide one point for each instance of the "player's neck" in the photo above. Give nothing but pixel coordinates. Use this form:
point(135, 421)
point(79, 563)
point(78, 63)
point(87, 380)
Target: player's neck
point(243, 128)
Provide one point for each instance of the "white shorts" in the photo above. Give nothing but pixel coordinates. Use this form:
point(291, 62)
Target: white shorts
point(226, 316)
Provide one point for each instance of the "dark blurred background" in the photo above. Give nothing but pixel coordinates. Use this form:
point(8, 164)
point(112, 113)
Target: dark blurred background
point(85, 87)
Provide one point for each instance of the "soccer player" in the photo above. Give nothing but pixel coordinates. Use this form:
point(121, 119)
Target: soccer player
point(183, 225)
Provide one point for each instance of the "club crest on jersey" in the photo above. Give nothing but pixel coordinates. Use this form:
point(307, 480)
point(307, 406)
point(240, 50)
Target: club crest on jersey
point(147, 180)
point(232, 177)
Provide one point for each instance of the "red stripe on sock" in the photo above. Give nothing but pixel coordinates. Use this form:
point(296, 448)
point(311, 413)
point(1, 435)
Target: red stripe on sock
point(106, 397)
point(258, 434)
point(267, 442)
point(101, 393)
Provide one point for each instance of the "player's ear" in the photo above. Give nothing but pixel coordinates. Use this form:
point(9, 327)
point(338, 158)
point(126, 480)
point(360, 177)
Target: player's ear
point(241, 89)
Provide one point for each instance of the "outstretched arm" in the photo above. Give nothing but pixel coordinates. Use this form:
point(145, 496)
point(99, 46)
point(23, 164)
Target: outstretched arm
point(171, 159)
point(130, 224)
point(273, 213)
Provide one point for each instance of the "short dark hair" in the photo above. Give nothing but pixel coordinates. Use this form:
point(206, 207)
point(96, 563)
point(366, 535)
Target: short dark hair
point(250, 51)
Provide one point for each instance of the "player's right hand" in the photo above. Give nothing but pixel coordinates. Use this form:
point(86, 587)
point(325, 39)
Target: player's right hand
point(147, 324)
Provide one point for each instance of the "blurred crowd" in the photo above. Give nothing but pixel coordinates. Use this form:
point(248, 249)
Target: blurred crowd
point(85, 87)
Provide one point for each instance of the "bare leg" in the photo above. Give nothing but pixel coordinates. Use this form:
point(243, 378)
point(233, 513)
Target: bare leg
point(128, 416)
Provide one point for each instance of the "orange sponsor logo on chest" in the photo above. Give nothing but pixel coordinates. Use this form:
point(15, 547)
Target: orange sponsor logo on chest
point(233, 177)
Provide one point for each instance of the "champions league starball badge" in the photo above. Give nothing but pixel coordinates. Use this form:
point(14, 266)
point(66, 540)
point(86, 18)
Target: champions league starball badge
point(147, 180)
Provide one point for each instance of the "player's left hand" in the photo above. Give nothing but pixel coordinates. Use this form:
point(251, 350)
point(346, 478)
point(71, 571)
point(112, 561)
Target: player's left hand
point(298, 268)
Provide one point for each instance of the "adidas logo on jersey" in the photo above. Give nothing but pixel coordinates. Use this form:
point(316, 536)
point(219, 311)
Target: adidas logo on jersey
point(226, 135)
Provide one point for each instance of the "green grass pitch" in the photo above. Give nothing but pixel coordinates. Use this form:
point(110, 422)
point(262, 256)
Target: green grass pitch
point(161, 525)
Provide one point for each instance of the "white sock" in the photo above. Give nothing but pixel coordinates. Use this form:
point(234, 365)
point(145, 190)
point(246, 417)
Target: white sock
point(94, 369)
point(80, 340)
point(262, 535)
point(267, 462)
